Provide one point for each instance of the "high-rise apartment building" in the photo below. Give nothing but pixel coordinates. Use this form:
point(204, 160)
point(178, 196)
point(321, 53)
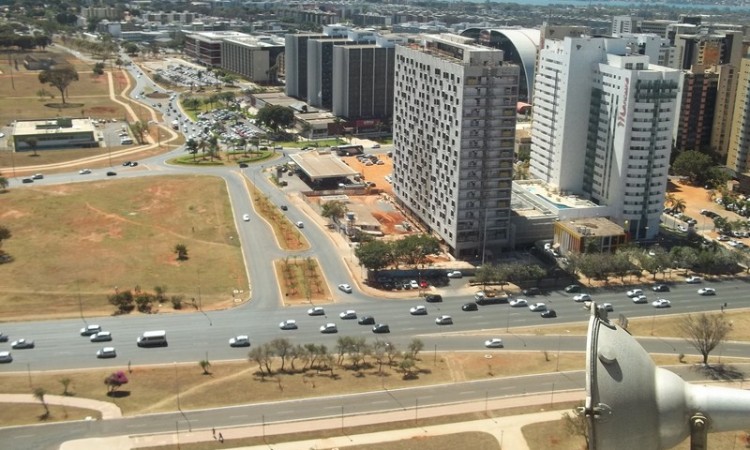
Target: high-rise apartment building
point(453, 131)
point(738, 158)
point(364, 75)
point(602, 127)
point(726, 90)
point(694, 124)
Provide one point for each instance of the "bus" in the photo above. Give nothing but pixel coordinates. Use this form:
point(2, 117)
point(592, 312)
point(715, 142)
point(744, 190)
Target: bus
point(348, 150)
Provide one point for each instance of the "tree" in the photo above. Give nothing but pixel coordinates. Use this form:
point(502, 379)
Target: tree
point(99, 68)
point(374, 255)
point(576, 424)
point(59, 78)
point(705, 332)
point(205, 365)
point(114, 381)
point(333, 210)
point(275, 117)
point(281, 348)
point(39, 394)
point(65, 381)
point(679, 205)
point(192, 147)
point(32, 142)
point(413, 250)
point(124, 301)
point(5, 234)
point(4, 183)
point(181, 251)
point(415, 346)
point(692, 164)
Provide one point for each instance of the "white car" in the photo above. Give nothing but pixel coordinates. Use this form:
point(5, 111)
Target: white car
point(494, 343)
point(88, 330)
point(246, 217)
point(22, 344)
point(414, 284)
point(102, 336)
point(661, 303)
point(606, 307)
point(329, 328)
point(634, 293)
point(582, 298)
point(707, 291)
point(300, 225)
point(84, 171)
point(536, 307)
point(316, 311)
point(348, 314)
point(288, 325)
point(517, 302)
point(345, 288)
point(5, 357)
point(106, 352)
point(694, 280)
point(241, 340)
point(418, 310)
point(444, 320)
point(640, 299)
point(455, 274)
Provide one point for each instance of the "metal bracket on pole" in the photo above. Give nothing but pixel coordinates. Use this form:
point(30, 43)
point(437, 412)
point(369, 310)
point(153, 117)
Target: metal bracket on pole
point(698, 432)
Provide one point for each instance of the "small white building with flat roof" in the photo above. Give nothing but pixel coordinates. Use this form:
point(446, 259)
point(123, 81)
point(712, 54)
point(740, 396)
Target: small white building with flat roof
point(52, 134)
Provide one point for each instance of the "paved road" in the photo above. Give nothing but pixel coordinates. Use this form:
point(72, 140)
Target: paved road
point(50, 436)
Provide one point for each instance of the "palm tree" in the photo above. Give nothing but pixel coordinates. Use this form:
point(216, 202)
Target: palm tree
point(192, 147)
point(669, 199)
point(679, 205)
point(205, 365)
point(203, 144)
point(213, 146)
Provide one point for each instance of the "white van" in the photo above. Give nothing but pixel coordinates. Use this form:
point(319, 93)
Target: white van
point(153, 339)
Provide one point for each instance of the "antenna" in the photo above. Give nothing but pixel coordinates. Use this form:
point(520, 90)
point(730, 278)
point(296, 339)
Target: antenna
point(630, 403)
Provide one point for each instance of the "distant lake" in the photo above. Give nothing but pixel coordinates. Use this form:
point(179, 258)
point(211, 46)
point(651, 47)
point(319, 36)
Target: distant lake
point(617, 3)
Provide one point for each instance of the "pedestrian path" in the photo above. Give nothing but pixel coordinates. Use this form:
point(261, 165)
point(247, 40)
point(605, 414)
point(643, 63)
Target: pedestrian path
point(108, 410)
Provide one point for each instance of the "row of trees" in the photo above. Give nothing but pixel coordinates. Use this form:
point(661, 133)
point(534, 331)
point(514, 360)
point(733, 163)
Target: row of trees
point(24, 42)
point(126, 301)
point(353, 353)
point(410, 251)
point(632, 261)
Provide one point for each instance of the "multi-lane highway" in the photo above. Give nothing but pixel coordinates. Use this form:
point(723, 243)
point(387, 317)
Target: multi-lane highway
point(192, 336)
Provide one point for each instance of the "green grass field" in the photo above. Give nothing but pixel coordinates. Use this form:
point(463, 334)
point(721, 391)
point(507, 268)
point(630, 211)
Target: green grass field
point(80, 241)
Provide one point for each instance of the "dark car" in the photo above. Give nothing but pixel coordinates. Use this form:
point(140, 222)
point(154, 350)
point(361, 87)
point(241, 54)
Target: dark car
point(381, 328)
point(133, 163)
point(469, 307)
point(573, 288)
point(126, 164)
point(111, 174)
point(366, 320)
point(532, 291)
point(27, 180)
point(283, 207)
point(433, 298)
point(660, 288)
point(548, 314)
point(243, 166)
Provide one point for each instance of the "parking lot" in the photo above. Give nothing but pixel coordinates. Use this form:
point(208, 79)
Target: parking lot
point(188, 76)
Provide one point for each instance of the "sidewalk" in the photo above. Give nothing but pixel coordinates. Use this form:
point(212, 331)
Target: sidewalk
point(507, 430)
point(107, 409)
